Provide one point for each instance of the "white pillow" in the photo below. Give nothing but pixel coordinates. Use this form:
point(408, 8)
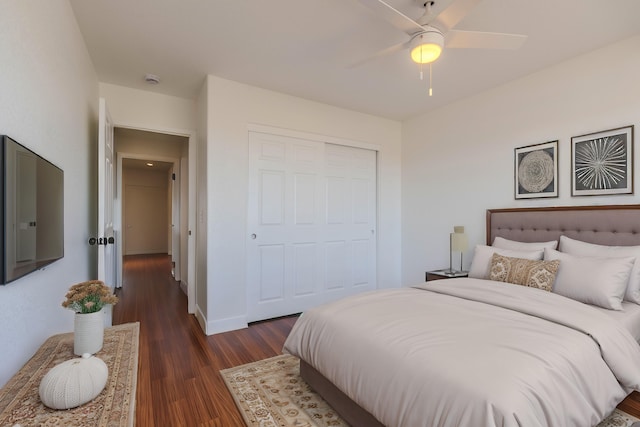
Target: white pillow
point(579, 248)
point(501, 242)
point(481, 263)
point(592, 280)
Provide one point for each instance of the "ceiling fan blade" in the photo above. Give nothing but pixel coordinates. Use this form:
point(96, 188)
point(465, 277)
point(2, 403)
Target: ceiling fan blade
point(393, 16)
point(448, 18)
point(379, 54)
point(483, 40)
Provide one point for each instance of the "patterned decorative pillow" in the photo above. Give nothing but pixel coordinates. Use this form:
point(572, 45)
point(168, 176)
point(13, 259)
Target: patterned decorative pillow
point(525, 272)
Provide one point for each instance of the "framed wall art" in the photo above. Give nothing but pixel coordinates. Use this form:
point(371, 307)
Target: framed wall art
point(536, 171)
point(602, 163)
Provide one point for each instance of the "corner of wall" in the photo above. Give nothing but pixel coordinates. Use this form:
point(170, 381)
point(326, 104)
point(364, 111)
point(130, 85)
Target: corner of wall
point(224, 325)
point(220, 325)
point(201, 318)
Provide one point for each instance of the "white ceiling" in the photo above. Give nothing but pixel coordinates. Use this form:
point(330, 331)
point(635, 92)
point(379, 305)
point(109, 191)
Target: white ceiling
point(304, 47)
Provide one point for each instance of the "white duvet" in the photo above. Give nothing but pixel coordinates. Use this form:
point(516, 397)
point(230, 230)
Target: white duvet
point(470, 352)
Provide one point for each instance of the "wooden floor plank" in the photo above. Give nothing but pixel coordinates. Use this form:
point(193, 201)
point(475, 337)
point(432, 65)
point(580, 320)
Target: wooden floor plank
point(179, 383)
point(178, 375)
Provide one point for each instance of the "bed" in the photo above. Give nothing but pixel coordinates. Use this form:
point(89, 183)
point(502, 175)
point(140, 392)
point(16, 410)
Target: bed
point(477, 352)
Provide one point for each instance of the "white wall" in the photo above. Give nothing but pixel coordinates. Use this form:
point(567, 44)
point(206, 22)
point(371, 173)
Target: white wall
point(150, 144)
point(458, 161)
point(232, 107)
point(201, 268)
point(49, 103)
point(144, 110)
point(146, 204)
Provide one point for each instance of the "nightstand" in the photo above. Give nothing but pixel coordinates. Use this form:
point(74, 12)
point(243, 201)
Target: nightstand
point(444, 274)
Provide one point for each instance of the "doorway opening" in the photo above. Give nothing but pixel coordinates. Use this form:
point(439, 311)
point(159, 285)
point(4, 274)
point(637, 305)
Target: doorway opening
point(152, 197)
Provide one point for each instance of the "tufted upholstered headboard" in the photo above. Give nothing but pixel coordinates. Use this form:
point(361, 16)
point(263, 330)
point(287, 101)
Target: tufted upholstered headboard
point(605, 225)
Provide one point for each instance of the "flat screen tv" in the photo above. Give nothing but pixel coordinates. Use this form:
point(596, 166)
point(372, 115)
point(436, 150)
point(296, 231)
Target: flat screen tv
point(32, 214)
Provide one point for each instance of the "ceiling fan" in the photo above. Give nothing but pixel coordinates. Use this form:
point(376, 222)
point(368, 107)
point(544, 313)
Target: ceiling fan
point(430, 33)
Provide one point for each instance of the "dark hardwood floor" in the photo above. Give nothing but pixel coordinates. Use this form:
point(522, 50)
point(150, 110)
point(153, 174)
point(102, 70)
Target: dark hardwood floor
point(179, 383)
point(178, 379)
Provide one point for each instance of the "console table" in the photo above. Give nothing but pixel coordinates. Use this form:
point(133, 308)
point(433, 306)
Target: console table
point(114, 406)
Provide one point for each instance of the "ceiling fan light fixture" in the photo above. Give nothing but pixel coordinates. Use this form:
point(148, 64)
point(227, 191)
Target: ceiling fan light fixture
point(426, 47)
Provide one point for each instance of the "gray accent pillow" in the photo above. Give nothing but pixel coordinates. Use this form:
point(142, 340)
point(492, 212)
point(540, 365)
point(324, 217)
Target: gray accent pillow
point(591, 280)
point(580, 248)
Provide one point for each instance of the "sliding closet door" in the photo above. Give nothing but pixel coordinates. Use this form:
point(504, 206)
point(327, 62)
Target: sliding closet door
point(349, 221)
point(311, 224)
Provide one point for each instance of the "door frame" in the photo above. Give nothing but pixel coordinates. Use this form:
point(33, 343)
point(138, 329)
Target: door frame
point(191, 207)
point(106, 192)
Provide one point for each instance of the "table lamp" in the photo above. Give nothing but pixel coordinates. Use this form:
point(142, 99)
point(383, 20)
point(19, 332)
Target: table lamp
point(458, 242)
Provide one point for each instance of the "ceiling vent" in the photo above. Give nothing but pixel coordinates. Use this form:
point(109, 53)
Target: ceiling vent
point(152, 79)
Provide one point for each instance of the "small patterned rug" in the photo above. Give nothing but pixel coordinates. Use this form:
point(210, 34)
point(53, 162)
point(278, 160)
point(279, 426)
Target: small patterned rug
point(270, 393)
point(114, 407)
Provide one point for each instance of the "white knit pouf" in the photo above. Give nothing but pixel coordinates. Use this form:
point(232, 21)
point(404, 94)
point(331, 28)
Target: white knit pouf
point(74, 382)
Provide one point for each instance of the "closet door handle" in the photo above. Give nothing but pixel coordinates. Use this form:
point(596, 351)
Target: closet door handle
point(253, 236)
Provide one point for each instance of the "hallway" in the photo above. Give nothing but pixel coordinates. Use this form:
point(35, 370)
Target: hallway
point(178, 379)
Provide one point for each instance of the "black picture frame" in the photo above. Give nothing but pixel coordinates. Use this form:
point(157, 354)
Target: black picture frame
point(536, 171)
point(602, 163)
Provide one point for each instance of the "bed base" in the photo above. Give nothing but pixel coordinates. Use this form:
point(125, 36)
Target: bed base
point(349, 410)
point(605, 225)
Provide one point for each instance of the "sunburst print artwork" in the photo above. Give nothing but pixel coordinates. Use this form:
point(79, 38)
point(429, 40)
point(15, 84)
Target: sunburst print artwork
point(602, 163)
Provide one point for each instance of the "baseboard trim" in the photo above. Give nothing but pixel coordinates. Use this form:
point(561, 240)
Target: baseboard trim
point(225, 325)
point(220, 325)
point(201, 318)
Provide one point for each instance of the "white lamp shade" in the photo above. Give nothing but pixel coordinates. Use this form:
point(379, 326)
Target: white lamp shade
point(459, 240)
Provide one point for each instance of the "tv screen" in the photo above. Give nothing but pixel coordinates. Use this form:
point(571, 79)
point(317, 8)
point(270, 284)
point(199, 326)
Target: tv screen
point(32, 211)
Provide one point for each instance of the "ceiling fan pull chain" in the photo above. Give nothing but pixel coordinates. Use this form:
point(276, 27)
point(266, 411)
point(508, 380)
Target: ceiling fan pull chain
point(421, 74)
point(430, 81)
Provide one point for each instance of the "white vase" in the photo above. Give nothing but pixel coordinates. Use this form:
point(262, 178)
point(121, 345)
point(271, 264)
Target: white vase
point(88, 333)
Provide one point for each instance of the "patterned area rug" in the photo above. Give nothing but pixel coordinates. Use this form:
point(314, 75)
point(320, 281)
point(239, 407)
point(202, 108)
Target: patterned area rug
point(113, 407)
point(270, 393)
